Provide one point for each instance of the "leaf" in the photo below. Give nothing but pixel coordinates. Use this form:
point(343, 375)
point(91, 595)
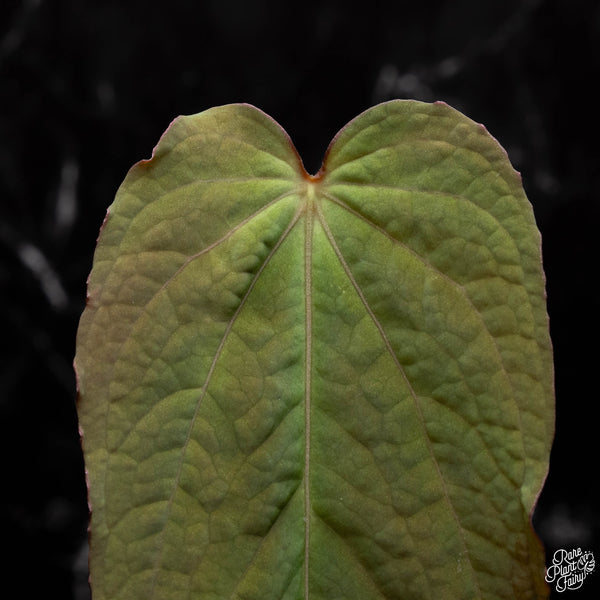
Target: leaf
point(317, 387)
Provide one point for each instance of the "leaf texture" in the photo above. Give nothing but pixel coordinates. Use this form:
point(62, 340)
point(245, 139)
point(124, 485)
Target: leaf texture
point(323, 387)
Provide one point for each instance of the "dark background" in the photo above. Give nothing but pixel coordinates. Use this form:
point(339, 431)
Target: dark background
point(87, 88)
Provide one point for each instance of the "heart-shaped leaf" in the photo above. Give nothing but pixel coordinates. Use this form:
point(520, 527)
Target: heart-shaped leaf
point(317, 387)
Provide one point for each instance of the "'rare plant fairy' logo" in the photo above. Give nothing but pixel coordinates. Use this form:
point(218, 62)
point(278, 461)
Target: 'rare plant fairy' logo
point(570, 568)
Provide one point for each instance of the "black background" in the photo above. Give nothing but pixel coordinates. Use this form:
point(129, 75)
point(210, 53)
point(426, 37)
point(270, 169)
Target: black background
point(87, 88)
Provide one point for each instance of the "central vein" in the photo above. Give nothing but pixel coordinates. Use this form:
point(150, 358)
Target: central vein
point(308, 241)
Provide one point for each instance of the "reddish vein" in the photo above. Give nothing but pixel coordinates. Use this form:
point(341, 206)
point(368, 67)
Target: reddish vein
point(207, 382)
point(308, 240)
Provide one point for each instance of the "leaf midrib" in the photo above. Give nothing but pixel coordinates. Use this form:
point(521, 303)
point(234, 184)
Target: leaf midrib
point(308, 243)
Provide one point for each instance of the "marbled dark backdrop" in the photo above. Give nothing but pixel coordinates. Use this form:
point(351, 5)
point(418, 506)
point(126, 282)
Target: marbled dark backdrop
point(86, 89)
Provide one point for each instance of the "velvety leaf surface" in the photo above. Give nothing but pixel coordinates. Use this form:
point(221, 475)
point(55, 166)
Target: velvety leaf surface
point(328, 387)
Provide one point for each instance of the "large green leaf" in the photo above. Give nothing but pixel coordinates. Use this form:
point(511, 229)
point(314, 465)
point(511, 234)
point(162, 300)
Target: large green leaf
point(317, 387)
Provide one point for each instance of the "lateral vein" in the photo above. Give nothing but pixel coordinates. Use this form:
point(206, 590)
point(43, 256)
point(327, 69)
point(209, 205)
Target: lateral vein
point(400, 368)
point(206, 384)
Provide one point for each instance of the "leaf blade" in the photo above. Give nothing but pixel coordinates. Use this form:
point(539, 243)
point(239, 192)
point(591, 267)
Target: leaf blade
point(426, 233)
point(126, 304)
point(269, 366)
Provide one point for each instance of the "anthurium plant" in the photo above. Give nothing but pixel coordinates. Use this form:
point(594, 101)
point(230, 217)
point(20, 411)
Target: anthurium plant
point(317, 387)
